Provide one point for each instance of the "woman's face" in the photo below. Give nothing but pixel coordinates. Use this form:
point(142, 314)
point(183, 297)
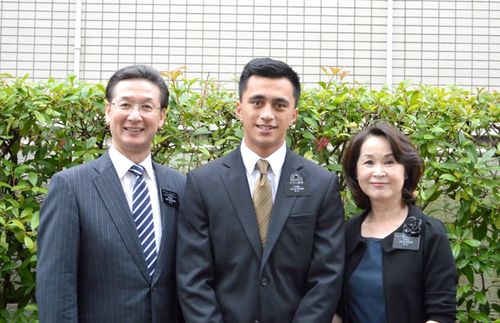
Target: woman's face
point(379, 175)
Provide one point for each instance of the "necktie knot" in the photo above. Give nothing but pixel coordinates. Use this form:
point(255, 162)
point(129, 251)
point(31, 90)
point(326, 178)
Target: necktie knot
point(137, 170)
point(262, 166)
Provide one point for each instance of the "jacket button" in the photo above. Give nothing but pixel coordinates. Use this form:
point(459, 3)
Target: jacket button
point(256, 321)
point(264, 282)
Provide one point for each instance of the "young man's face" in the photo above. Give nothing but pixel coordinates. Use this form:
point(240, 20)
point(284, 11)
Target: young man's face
point(267, 110)
point(134, 117)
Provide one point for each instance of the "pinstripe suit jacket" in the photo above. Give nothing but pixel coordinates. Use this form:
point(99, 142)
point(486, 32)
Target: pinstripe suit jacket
point(90, 262)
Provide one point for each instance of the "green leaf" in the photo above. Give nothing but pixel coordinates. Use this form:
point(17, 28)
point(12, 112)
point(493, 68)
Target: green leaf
point(16, 224)
point(449, 177)
point(462, 263)
point(84, 91)
point(480, 297)
point(432, 193)
point(481, 231)
point(455, 250)
point(488, 155)
point(29, 243)
point(472, 243)
point(431, 147)
point(26, 213)
point(469, 274)
point(33, 178)
point(35, 220)
point(448, 165)
point(204, 151)
point(42, 118)
point(2, 184)
point(9, 267)
point(470, 148)
point(20, 187)
point(13, 202)
point(220, 142)
point(481, 317)
point(90, 142)
point(311, 122)
point(201, 131)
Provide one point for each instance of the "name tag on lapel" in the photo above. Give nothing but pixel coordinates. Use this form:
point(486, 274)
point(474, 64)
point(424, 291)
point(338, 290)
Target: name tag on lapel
point(405, 242)
point(170, 198)
point(296, 185)
point(409, 239)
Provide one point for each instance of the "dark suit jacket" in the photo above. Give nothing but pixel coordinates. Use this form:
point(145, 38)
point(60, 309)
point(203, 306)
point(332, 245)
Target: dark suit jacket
point(418, 285)
point(223, 273)
point(90, 263)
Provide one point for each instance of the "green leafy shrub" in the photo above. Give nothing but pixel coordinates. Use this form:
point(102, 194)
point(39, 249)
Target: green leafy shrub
point(52, 125)
point(44, 128)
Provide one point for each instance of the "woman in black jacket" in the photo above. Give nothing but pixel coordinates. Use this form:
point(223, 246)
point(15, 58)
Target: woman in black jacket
point(399, 265)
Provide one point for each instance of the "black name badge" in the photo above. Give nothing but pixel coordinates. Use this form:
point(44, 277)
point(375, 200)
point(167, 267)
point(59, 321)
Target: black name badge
point(405, 242)
point(170, 198)
point(296, 186)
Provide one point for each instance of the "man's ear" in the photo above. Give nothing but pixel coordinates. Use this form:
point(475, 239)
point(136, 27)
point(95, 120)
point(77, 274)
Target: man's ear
point(295, 114)
point(238, 110)
point(107, 108)
point(163, 118)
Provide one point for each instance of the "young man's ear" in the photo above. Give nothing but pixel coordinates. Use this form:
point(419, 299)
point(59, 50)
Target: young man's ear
point(238, 110)
point(295, 114)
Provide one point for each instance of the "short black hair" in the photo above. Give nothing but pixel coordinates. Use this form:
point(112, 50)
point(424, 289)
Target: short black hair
point(403, 151)
point(270, 68)
point(142, 72)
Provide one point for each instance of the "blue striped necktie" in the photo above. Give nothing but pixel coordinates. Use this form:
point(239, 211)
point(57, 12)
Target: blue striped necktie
point(143, 217)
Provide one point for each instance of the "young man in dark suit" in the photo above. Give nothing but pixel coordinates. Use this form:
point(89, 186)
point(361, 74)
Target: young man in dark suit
point(260, 234)
point(106, 241)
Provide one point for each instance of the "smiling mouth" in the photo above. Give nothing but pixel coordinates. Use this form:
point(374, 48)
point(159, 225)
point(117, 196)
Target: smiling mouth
point(132, 129)
point(266, 127)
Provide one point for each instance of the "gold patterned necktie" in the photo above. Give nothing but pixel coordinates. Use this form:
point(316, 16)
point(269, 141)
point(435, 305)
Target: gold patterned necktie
point(262, 200)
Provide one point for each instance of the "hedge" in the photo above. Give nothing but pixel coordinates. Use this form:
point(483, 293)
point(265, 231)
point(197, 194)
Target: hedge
point(51, 125)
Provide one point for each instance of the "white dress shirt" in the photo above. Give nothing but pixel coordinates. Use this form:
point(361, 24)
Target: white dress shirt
point(122, 166)
point(275, 161)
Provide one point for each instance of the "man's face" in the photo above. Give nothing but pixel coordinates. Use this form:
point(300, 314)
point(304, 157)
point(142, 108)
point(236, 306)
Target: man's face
point(267, 109)
point(134, 117)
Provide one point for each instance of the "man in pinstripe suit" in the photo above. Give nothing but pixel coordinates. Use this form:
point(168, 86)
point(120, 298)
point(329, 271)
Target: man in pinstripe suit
point(91, 262)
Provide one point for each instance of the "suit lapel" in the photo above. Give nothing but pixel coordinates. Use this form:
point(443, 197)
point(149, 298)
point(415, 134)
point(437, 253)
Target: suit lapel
point(234, 178)
point(282, 204)
point(109, 187)
point(167, 219)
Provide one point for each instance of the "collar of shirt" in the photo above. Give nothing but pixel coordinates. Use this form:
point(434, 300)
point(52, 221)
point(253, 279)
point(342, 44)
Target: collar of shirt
point(275, 160)
point(122, 163)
